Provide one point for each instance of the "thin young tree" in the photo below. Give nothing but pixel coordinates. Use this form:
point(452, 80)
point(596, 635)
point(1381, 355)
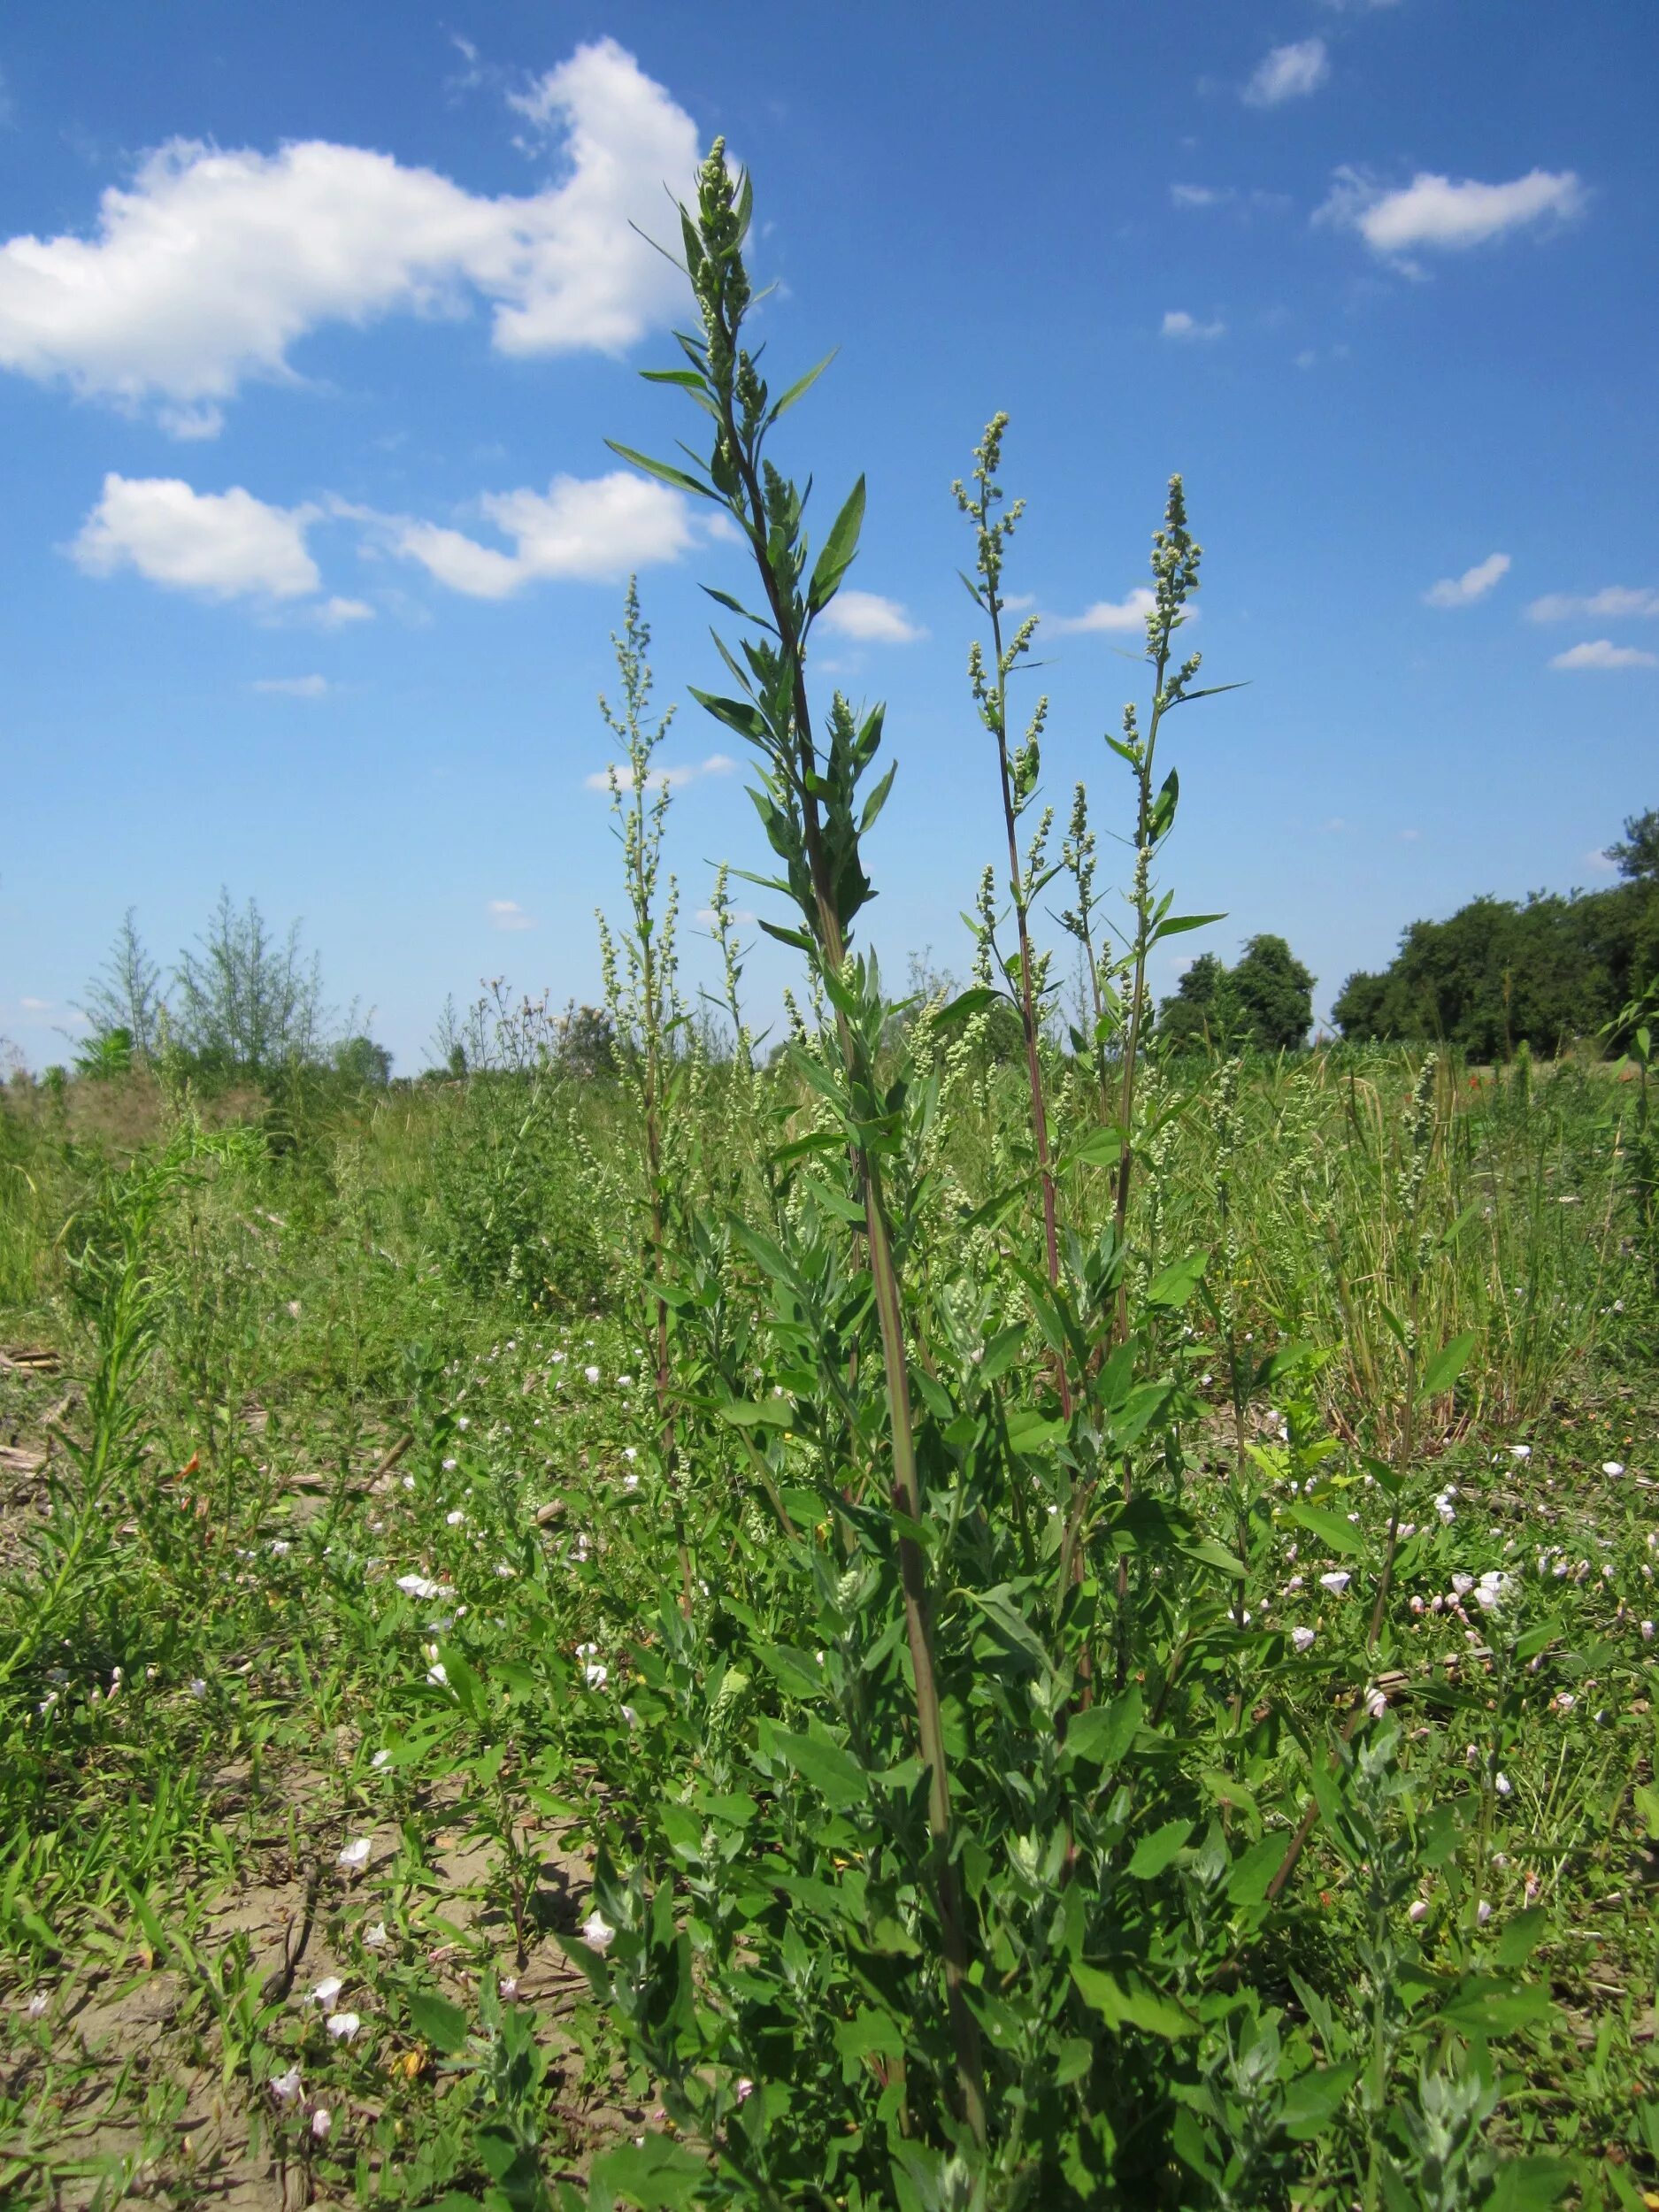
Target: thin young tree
point(125, 993)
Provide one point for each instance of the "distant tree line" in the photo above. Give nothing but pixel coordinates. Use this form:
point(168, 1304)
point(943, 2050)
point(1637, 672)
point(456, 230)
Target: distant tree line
point(1544, 972)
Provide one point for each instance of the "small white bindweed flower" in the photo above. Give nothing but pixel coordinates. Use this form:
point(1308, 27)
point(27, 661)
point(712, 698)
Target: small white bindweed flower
point(630, 1482)
point(449, 1466)
point(455, 1519)
point(598, 1932)
point(1483, 1912)
point(375, 1937)
point(464, 1423)
point(326, 1990)
point(1376, 1703)
point(285, 2087)
point(39, 2004)
point(509, 1986)
point(630, 1715)
point(342, 2026)
point(1503, 1785)
point(1337, 1582)
point(1418, 1912)
point(596, 1674)
point(625, 1382)
point(381, 1759)
point(1520, 1451)
point(356, 1853)
point(417, 1586)
point(1302, 1638)
point(1493, 1591)
point(322, 2121)
point(591, 1374)
point(1612, 1467)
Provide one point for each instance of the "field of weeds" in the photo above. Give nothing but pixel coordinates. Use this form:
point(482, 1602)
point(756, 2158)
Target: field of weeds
point(987, 1614)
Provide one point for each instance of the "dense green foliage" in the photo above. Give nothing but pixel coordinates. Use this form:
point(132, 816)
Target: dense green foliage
point(1546, 973)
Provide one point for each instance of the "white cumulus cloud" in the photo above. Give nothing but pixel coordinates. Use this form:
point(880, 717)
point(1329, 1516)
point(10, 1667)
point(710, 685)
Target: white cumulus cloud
point(1602, 653)
point(508, 914)
point(1447, 213)
point(224, 545)
point(871, 619)
point(1111, 616)
point(211, 265)
point(1615, 603)
point(1474, 583)
point(1179, 324)
point(595, 529)
point(1289, 73)
point(293, 687)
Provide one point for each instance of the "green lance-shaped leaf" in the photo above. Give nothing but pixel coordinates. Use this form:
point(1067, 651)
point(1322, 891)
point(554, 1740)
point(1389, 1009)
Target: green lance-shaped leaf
point(1333, 1531)
point(664, 470)
point(799, 388)
point(1447, 1365)
point(840, 548)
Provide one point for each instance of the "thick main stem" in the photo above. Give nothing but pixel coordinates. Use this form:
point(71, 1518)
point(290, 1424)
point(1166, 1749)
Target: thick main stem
point(907, 1490)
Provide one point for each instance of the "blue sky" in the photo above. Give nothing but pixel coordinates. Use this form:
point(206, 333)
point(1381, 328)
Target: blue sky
point(313, 322)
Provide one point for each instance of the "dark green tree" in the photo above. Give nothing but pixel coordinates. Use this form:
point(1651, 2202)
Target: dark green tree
point(1637, 854)
point(1203, 1013)
point(1263, 1004)
point(1274, 996)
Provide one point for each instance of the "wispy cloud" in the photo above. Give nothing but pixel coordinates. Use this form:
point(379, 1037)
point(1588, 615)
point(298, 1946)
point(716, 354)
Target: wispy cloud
point(661, 778)
point(871, 619)
point(293, 687)
point(1289, 73)
point(1601, 653)
point(1445, 214)
point(1179, 324)
point(1613, 603)
point(1474, 583)
point(1113, 617)
point(508, 914)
